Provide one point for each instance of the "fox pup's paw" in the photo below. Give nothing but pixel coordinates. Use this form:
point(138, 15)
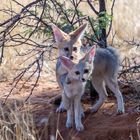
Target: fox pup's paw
point(68, 124)
point(60, 109)
point(93, 110)
point(79, 127)
point(82, 114)
point(119, 112)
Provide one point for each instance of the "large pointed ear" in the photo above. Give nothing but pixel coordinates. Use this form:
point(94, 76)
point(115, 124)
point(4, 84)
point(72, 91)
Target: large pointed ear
point(59, 35)
point(66, 63)
point(78, 33)
point(90, 55)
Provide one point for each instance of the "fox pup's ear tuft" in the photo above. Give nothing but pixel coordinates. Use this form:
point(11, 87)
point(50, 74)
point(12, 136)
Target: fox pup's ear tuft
point(78, 33)
point(66, 63)
point(59, 35)
point(90, 55)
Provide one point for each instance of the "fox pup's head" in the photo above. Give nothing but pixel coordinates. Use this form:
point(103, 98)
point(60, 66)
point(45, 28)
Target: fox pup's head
point(69, 44)
point(83, 69)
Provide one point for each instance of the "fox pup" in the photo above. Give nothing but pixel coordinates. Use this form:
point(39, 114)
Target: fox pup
point(73, 88)
point(69, 46)
point(104, 73)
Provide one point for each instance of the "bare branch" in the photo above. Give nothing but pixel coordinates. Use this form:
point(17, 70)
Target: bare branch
point(133, 42)
point(92, 7)
point(112, 8)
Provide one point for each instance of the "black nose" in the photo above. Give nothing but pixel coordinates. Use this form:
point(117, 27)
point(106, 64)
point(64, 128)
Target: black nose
point(83, 80)
point(71, 57)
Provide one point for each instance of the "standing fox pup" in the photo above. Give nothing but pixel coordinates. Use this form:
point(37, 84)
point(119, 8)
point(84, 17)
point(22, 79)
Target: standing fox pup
point(104, 73)
point(69, 46)
point(74, 87)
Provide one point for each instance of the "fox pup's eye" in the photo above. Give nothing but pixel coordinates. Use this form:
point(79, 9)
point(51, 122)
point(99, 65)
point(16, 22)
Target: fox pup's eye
point(66, 49)
point(74, 49)
point(86, 71)
point(77, 72)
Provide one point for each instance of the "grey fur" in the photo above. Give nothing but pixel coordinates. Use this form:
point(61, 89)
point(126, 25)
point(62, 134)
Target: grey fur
point(104, 73)
point(73, 90)
point(64, 41)
point(72, 103)
point(104, 70)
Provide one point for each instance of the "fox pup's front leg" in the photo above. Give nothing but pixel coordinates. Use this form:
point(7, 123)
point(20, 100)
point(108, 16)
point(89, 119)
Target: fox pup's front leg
point(77, 113)
point(69, 115)
point(61, 107)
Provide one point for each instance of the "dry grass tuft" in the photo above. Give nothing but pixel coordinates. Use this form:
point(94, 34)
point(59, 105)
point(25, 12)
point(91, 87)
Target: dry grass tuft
point(16, 124)
point(20, 121)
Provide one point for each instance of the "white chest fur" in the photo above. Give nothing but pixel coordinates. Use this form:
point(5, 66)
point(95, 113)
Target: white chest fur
point(75, 88)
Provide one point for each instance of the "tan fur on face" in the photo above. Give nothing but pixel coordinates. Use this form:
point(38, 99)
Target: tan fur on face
point(67, 42)
point(77, 55)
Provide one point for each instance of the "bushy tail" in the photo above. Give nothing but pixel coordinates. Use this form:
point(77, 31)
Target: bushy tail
point(113, 51)
point(115, 57)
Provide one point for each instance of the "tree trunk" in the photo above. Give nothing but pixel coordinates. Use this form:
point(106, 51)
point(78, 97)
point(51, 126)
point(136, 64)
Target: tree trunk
point(102, 39)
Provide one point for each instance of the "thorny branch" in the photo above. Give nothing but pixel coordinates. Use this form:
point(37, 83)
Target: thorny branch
point(133, 42)
point(92, 7)
point(130, 67)
point(37, 50)
point(110, 27)
point(32, 16)
point(11, 23)
point(38, 64)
